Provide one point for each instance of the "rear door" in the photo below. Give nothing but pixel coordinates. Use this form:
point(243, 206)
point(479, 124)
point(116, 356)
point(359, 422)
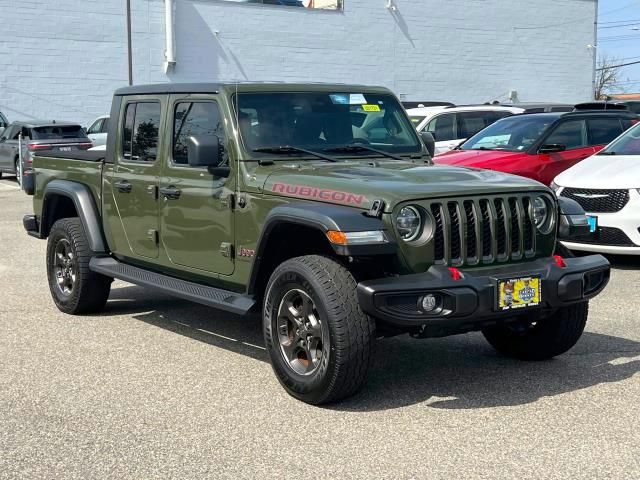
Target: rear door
point(9, 147)
point(196, 221)
point(572, 134)
point(134, 180)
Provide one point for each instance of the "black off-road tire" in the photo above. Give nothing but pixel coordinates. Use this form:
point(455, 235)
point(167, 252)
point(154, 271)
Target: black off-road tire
point(90, 290)
point(17, 167)
point(351, 333)
point(546, 339)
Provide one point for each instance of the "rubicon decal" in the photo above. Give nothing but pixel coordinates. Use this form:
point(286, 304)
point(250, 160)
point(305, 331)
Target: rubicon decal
point(318, 193)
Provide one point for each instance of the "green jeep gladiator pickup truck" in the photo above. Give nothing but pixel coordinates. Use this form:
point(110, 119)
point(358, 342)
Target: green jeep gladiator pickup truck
point(318, 204)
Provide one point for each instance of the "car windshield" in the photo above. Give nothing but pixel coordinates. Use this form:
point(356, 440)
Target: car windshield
point(513, 134)
point(627, 144)
point(325, 121)
point(58, 132)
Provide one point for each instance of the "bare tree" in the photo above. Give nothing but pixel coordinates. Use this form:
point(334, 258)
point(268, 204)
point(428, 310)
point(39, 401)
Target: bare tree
point(607, 76)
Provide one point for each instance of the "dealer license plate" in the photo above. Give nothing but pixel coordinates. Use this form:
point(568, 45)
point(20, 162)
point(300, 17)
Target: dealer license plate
point(593, 224)
point(520, 292)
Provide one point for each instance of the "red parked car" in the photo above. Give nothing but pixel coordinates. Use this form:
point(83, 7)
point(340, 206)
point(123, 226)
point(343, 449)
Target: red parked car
point(539, 145)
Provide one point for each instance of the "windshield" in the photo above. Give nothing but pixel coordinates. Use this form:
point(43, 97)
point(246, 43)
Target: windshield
point(513, 134)
point(627, 144)
point(321, 121)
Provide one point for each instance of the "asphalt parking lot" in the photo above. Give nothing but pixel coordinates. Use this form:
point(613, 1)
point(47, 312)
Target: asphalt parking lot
point(160, 388)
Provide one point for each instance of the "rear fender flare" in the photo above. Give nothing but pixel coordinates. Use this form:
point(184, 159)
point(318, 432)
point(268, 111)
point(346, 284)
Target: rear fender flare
point(85, 206)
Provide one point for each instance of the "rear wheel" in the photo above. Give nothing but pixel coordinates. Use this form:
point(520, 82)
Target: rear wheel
point(17, 168)
point(543, 339)
point(319, 341)
point(74, 288)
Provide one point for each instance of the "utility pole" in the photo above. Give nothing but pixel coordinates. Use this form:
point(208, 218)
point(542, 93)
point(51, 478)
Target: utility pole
point(594, 51)
point(129, 51)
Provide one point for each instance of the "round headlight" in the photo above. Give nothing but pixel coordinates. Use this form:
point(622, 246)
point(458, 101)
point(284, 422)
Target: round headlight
point(408, 223)
point(540, 211)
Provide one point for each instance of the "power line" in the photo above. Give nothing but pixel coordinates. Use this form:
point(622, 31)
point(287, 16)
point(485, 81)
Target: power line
point(616, 66)
point(572, 22)
point(621, 21)
point(619, 26)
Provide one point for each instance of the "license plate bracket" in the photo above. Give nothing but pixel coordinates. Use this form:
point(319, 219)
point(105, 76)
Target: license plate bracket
point(519, 292)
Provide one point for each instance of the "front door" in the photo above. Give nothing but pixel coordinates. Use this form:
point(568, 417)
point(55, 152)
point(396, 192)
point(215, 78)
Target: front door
point(134, 180)
point(196, 216)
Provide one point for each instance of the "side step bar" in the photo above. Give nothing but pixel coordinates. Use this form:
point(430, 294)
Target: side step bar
point(212, 297)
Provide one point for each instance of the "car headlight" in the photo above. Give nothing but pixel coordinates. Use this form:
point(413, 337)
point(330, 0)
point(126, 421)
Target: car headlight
point(408, 223)
point(540, 212)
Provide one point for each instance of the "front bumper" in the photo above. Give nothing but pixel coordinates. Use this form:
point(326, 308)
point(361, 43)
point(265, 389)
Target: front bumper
point(470, 303)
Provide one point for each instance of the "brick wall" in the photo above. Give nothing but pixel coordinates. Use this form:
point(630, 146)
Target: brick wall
point(63, 59)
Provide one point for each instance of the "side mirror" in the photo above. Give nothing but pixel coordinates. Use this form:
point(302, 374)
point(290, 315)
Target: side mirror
point(552, 148)
point(205, 151)
point(429, 142)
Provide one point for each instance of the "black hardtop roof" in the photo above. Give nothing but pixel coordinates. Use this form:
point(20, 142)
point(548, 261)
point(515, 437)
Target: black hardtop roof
point(580, 113)
point(167, 88)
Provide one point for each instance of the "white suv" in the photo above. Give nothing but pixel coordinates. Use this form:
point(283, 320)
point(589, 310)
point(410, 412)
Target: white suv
point(607, 185)
point(450, 126)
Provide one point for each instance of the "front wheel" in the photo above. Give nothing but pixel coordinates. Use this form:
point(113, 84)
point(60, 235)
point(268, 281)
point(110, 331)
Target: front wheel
point(544, 339)
point(74, 288)
point(319, 340)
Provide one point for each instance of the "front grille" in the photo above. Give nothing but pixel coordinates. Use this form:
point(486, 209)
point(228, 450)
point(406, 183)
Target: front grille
point(606, 236)
point(483, 230)
point(598, 201)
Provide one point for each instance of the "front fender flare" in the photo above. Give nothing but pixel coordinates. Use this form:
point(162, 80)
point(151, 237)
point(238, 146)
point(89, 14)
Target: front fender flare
point(322, 217)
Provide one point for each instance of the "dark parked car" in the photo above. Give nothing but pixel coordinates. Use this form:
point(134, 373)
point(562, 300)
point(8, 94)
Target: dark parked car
point(38, 136)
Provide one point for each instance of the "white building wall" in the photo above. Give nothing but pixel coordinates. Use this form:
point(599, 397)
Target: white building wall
point(63, 59)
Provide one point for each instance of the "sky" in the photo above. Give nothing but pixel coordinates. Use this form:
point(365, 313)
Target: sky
point(619, 37)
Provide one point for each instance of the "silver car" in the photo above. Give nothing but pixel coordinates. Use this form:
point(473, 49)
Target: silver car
point(3, 123)
point(37, 136)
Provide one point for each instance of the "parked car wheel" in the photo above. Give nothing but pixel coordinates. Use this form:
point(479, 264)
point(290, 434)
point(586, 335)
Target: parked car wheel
point(17, 169)
point(75, 289)
point(319, 340)
point(543, 339)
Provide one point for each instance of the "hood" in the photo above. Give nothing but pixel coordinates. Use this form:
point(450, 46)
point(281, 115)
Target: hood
point(477, 158)
point(358, 184)
point(603, 172)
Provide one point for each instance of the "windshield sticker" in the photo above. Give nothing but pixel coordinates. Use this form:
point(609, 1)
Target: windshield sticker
point(348, 99)
point(318, 193)
point(371, 108)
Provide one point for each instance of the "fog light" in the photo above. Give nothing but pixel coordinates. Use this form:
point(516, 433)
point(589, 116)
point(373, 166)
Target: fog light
point(429, 303)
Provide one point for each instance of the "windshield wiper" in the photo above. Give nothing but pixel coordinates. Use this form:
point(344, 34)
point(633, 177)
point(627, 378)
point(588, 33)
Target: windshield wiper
point(359, 147)
point(287, 150)
point(607, 153)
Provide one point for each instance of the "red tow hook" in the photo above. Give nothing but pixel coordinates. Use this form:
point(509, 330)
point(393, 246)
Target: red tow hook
point(456, 274)
point(559, 261)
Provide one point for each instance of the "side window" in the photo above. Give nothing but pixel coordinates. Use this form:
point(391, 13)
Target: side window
point(105, 126)
point(95, 128)
point(199, 119)
point(15, 133)
point(470, 123)
point(26, 132)
point(572, 134)
point(603, 130)
point(442, 127)
point(140, 132)
point(7, 133)
point(3, 121)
